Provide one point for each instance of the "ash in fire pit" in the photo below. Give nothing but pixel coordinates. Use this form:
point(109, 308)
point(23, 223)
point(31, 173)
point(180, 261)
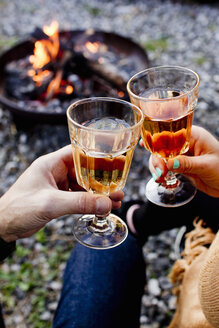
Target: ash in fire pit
point(43, 75)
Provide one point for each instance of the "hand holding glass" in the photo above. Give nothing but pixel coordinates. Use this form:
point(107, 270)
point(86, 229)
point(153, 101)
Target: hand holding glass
point(104, 133)
point(167, 95)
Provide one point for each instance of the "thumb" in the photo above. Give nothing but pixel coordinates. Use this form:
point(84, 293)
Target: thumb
point(187, 164)
point(67, 202)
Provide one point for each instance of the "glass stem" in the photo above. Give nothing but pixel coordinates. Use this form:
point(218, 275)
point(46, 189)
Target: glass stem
point(100, 223)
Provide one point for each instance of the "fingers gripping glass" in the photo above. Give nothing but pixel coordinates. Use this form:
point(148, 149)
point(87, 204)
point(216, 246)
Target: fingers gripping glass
point(104, 133)
point(167, 95)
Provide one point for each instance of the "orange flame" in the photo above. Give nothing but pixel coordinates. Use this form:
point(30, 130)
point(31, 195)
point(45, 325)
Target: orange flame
point(40, 77)
point(44, 52)
point(41, 56)
point(54, 85)
point(121, 94)
point(92, 47)
point(69, 89)
point(51, 29)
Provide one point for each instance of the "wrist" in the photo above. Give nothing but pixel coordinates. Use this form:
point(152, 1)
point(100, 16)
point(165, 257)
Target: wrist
point(8, 238)
point(6, 223)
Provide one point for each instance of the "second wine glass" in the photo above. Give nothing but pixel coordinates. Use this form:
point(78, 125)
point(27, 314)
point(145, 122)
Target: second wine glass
point(167, 95)
point(104, 133)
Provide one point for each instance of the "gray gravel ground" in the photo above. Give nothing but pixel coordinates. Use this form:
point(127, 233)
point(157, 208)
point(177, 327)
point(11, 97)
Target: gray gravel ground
point(173, 33)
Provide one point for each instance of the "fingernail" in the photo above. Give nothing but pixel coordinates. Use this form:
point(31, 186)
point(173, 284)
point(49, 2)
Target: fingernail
point(154, 176)
point(102, 205)
point(159, 171)
point(176, 164)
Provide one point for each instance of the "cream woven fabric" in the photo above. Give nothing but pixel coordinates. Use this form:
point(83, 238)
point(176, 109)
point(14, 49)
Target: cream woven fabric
point(209, 284)
point(195, 278)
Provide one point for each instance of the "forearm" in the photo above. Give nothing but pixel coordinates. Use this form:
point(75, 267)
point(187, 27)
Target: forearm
point(6, 246)
point(7, 214)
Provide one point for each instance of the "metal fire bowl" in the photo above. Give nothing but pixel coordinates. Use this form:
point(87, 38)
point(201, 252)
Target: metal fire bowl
point(120, 44)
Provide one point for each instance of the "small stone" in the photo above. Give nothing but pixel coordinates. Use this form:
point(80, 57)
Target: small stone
point(164, 283)
point(12, 167)
point(55, 285)
point(162, 307)
point(45, 316)
point(23, 138)
point(38, 247)
point(153, 287)
point(147, 300)
point(202, 106)
point(143, 319)
point(18, 319)
point(15, 267)
point(162, 264)
point(52, 306)
point(151, 257)
point(156, 325)
point(20, 294)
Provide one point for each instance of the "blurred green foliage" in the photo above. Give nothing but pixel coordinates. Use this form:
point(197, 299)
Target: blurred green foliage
point(95, 11)
point(7, 43)
point(33, 277)
point(156, 44)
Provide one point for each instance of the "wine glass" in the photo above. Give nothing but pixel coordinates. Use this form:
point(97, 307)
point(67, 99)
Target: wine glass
point(103, 133)
point(167, 95)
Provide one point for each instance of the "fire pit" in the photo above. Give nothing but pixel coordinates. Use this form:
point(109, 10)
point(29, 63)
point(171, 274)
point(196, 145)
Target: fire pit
point(41, 76)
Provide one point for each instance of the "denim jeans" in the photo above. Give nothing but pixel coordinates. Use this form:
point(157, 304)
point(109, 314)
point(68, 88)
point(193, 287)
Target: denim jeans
point(102, 288)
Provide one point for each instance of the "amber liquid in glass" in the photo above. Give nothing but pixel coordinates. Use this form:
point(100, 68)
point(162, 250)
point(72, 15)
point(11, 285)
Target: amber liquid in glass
point(102, 175)
point(167, 134)
point(103, 171)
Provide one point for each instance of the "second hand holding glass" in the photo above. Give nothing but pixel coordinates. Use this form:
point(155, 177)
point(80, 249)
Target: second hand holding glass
point(104, 133)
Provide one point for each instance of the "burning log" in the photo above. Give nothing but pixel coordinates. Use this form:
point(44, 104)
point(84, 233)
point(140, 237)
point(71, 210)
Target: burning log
point(109, 73)
point(56, 82)
point(88, 68)
point(39, 34)
point(19, 83)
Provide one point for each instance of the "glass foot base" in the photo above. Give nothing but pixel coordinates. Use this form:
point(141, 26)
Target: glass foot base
point(112, 235)
point(179, 196)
